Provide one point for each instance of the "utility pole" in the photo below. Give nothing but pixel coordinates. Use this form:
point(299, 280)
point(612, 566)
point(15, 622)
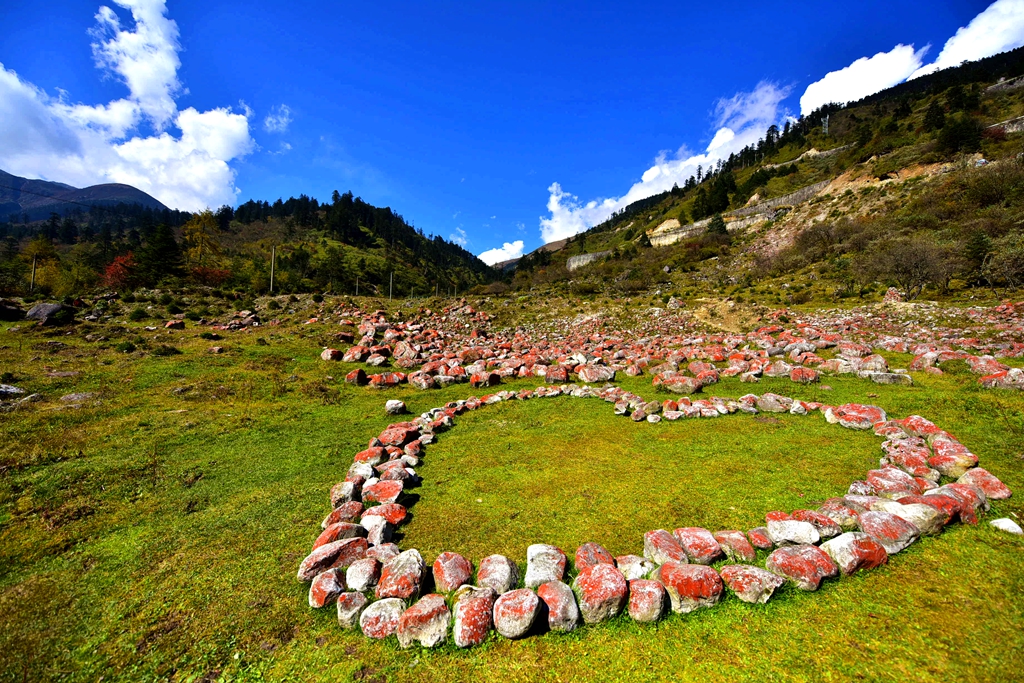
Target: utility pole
point(273, 264)
point(824, 126)
point(391, 285)
point(32, 285)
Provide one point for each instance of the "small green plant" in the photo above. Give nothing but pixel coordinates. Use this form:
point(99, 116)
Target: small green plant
point(166, 350)
point(138, 313)
point(174, 309)
point(165, 299)
point(273, 305)
point(318, 298)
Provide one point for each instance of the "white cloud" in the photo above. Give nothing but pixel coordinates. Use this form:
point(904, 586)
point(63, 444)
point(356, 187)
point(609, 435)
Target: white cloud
point(51, 138)
point(998, 29)
point(507, 252)
point(864, 77)
point(459, 237)
point(278, 120)
point(740, 120)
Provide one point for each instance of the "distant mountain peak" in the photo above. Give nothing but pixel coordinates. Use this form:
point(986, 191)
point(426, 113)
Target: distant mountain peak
point(40, 198)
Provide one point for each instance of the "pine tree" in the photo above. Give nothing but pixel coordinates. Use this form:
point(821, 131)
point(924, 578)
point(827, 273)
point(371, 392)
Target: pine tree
point(160, 257)
point(935, 117)
point(717, 226)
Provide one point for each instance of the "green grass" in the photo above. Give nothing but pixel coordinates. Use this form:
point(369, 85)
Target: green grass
point(156, 535)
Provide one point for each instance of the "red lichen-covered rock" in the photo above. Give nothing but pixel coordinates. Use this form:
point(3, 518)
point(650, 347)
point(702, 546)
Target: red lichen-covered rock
point(451, 570)
point(356, 354)
point(803, 375)
point(326, 588)
point(393, 512)
point(699, 544)
point(345, 491)
point(750, 584)
point(928, 520)
point(425, 623)
point(855, 415)
point(383, 552)
point(383, 492)
point(894, 533)
point(951, 459)
point(689, 586)
point(915, 425)
point(679, 384)
point(804, 565)
point(987, 482)
point(563, 612)
point(377, 530)
point(398, 435)
point(350, 608)
point(891, 480)
point(841, 512)
point(372, 456)
point(544, 563)
point(346, 512)
point(402, 576)
point(557, 375)
point(660, 547)
point(515, 612)
point(337, 532)
point(331, 354)
point(357, 377)
point(760, 539)
point(646, 600)
point(601, 592)
point(338, 554)
point(474, 610)
point(736, 546)
point(854, 551)
point(498, 573)
point(362, 575)
point(777, 516)
point(589, 554)
point(824, 525)
point(484, 379)
point(380, 619)
point(947, 505)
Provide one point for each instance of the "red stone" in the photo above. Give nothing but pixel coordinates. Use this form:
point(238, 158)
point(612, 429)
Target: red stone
point(857, 416)
point(601, 592)
point(393, 512)
point(824, 525)
point(646, 600)
point(759, 538)
point(373, 456)
point(346, 512)
point(660, 546)
point(690, 586)
point(515, 612)
point(735, 543)
point(590, 554)
point(473, 617)
point(700, 545)
point(398, 435)
point(326, 588)
point(426, 622)
point(892, 480)
point(383, 492)
point(451, 570)
point(338, 554)
point(894, 533)
point(805, 565)
point(339, 531)
point(915, 425)
point(777, 516)
point(357, 377)
point(803, 375)
point(987, 482)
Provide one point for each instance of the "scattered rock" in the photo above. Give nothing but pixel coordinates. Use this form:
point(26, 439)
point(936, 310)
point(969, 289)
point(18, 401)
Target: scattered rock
point(402, 576)
point(804, 565)
point(544, 563)
point(425, 623)
point(498, 573)
point(750, 584)
point(563, 612)
point(646, 600)
point(854, 551)
point(601, 592)
point(474, 608)
point(326, 588)
point(1007, 524)
point(350, 608)
point(380, 619)
point(394, 407)
point(515, 612)
point(451, 570)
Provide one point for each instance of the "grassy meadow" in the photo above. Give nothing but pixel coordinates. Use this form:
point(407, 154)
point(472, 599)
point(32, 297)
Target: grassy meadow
point(153, 533)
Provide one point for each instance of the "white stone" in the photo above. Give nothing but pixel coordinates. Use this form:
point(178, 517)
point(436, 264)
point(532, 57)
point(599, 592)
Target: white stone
point(542, 564)
point(1007, 524)
point(792, 532)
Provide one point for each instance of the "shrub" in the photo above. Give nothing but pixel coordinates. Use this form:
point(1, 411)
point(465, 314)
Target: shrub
point(125, 347)
point(273, 305)
point(138, 313)
point(318, 298)
point(165, 299)
point(165, 350)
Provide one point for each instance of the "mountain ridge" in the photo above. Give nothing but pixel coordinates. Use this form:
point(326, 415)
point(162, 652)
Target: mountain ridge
point(38, 198)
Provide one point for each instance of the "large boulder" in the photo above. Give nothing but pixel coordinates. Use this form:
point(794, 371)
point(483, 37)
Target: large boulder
point(425, 623)
point(402, 576)
point(699, 545)
point(451, 570)
point(386, 491)
point(474, 609)
point(498, 573)
point(987, 482)
point(326, 588)
point(646, 600)
point(892, 532)
point(339, 531)
point(380, 619)
point(804, 565)
point(689, 586)
point(544, 563)
point(750, 584)
point(601, 592)
point(595, 373)
point(515, 612)
point(563, 612)
point(854, 551)
point(362, 575)
point(51, 314)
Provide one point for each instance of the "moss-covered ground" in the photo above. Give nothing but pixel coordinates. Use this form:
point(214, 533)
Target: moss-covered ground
point(153, 533)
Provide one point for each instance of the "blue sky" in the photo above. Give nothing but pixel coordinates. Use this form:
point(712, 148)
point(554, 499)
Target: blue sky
point(489, 124)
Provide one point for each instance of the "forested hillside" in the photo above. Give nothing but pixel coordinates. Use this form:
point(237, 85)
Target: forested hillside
point(338, 247)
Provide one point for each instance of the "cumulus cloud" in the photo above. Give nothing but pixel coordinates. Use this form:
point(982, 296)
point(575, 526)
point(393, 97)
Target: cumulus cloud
point(740, 120)
point(183, 161)
point(507, 252)
point(278, 120)
point(997, 29)
point(864, 77)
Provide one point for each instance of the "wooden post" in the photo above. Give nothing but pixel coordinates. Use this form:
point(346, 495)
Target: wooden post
point(273, 263)
point(32, 285)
